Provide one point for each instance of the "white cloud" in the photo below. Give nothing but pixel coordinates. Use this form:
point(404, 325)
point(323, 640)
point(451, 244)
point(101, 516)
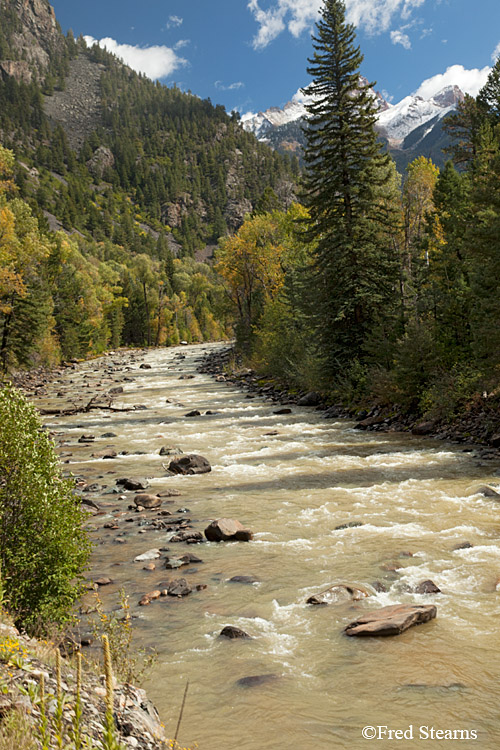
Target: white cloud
point(181, 43)
point(496, 53)
point(174, 21)
point(230, 87)
point(397, 37)
point(302, 97)
point(270, 24)
point(155, 62)
point(409, 6)
point(470, 81)
point(375, 16)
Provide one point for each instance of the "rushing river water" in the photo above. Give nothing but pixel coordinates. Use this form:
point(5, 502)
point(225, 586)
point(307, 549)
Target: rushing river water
point(293, 489)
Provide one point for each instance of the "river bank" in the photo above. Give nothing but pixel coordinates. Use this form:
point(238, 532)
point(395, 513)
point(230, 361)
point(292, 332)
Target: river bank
point(23, 663)
point(327, 504)
point(478, 424)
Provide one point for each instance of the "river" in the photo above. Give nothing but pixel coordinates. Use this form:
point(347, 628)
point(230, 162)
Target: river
point(416, 501)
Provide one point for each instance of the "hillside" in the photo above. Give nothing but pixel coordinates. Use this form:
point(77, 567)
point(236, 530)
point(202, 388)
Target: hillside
point(142, 178)
point(184, 162)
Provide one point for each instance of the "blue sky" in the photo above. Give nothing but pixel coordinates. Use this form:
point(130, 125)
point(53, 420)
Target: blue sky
point(252, 54)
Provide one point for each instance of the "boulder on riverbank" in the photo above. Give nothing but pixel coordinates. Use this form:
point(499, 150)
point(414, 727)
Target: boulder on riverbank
point(227, 530)
point(392, 620)
point(190, 463)
point(309, 399)
point(338, 594)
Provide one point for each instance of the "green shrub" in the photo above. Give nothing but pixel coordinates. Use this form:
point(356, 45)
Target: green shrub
point(43, 546)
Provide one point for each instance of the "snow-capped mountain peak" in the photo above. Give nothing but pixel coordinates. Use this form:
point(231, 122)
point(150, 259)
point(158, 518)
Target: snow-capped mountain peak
point(273, 117)
point(395, 121)
point(399, 120)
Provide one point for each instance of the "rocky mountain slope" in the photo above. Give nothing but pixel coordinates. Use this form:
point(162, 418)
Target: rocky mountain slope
point(185, 164)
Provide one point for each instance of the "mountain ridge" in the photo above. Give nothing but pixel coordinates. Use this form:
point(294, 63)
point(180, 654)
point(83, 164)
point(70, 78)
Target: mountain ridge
point(282, 127)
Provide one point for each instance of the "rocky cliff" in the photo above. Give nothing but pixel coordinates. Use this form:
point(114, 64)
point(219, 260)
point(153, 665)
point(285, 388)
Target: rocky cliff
point(36, 36)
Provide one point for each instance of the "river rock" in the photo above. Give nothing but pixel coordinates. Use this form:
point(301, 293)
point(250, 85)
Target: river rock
point(487, 491)
point(190, 537)
point(350, 525)
point(463, 545)
point(147, 501)
point(169, 493)
point(115, 390)
point(365, 424)
point(244, 579)
point(103, 581)
point(178, 587)
point(227, 530)
point(256, 680)
point(145, 366)
point(391, 620)
point(338, 594)
point(171, 563)
point(279, 412)
point(135, 484)
point(424, 428)
point(151, 554)
point(89, 503)
point(309, 399)
point(427, 587)
point(169, 450)
point(230, 631)
point(149, 597)
point(94, 487)
point(190, 463)
point(193, 413)
point(86, 439)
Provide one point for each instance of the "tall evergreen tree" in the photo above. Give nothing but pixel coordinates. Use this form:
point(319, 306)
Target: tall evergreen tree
point(351, 208)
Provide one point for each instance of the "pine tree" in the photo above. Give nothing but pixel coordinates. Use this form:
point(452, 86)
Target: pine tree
point(350, 217)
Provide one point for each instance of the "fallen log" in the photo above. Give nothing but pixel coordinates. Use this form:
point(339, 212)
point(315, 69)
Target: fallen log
point(92, 404)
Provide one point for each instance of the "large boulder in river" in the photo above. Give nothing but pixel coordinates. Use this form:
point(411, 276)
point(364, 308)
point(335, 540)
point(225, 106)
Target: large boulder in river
point(338, 594)
point(232, 632)
point(227, 530)
point(487, 491)
point(134, 484)
point(427, 587)
point(147, 501)
point(391, 620)
point(179, 587)
point(189, 463)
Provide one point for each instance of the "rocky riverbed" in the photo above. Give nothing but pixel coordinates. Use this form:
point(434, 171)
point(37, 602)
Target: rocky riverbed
point(328, 511)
